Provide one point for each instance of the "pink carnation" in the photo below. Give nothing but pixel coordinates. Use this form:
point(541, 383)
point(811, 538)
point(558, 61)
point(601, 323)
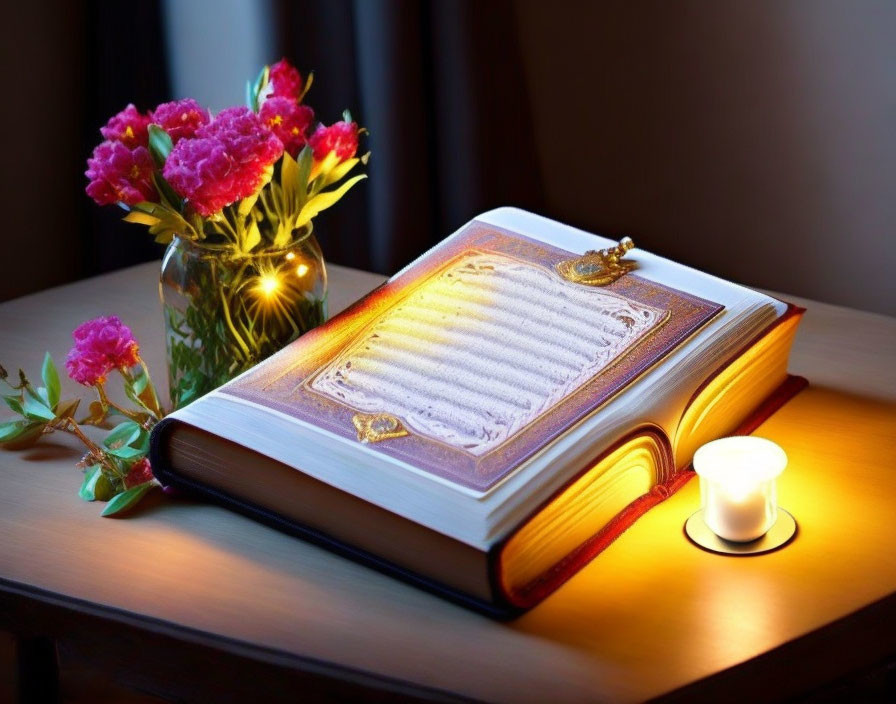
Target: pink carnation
point(101, 345)
point(140, 473)
point(288, 120)
point(119, 174)
point(340, 137)
point(180, 118)
point(286, 81)
point(129, 127)
point(225, 162)
point(244, 134)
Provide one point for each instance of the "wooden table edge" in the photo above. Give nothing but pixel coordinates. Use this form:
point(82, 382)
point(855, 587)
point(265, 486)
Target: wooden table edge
point(27, 609)
point(842, 648)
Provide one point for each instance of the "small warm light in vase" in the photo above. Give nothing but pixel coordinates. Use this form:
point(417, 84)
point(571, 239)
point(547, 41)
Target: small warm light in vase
point(268, 284)
point(739, 495)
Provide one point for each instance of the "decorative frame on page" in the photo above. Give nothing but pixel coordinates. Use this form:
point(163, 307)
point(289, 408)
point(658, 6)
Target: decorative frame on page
point(476, 357)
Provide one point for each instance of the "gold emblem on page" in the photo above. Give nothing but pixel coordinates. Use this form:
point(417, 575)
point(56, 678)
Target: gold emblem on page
point(374, 427)
point(598, 267)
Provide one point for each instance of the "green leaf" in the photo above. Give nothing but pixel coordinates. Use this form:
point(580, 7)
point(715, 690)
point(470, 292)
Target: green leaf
point(188, 395)
point(140, 381)
point(35, 408)
point(127, 499)
point(126, 437)
point(253, 237)
point(51, 379)
point(324, 200)
point(15, 404)
point(337, 172)
point(289, 180)
point(141, 218)
point(131, 394)
point(88, 487)
point(18, 434)
point(160, 145)
point(254, 88)
point(10, 430)
point(246, 204)
point(305, 161)
point(43, 396)
point(169, 198)
point(126, 453)
point(123, 434)
point(164, 218)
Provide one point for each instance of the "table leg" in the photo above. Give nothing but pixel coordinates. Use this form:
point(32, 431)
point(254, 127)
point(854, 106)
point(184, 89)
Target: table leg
point(37, 670)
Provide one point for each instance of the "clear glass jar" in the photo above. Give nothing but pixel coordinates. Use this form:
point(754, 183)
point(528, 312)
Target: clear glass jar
point(226, 311)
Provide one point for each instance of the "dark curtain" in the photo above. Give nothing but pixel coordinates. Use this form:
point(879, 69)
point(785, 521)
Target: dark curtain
point(68, 66)
point(124, 62)
point(440, 86)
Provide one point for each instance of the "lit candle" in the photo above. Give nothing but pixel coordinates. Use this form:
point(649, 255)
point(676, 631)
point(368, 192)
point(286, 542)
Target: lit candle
point(737, 486)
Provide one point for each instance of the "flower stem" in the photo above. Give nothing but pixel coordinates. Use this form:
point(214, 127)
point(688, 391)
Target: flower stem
point(70, 426)
point(236, 335)
point(104, 399)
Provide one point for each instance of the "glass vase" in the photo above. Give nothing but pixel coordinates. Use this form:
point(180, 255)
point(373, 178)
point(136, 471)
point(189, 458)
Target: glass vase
point(226, 311)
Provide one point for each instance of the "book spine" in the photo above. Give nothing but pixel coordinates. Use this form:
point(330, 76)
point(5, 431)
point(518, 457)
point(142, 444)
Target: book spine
point(168, 475)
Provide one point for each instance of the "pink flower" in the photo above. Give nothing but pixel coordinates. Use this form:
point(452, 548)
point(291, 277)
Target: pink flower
point(140, 473)
point(180, 118)
point(119, 174)
point(101, 345)
point(244, 134)
point(225, 162)
point(340, 137)
point(129, 127)
point(288, 120)
point(286, 81)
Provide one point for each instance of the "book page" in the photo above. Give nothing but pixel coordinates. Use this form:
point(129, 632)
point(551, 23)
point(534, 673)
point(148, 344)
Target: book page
point(481, 354)
point(483, 349)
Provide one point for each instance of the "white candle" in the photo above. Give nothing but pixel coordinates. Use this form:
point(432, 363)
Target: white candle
point(737, 486)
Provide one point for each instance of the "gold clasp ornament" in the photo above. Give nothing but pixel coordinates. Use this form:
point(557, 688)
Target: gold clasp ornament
point(373, 427)
point(598, 267)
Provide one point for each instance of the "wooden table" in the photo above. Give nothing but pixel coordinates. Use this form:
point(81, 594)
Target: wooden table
point(183, 599)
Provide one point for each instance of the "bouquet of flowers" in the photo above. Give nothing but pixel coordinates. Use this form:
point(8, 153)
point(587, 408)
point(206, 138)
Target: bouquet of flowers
point(234, 196)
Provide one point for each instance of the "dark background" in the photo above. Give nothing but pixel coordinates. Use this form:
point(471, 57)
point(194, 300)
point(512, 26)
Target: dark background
point(754, 140)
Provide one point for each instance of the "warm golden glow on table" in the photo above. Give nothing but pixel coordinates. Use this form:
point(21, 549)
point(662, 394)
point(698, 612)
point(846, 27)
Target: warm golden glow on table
point(652, 587)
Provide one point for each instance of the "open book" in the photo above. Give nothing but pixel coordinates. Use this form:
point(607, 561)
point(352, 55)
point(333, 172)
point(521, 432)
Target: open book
point(484, 424)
